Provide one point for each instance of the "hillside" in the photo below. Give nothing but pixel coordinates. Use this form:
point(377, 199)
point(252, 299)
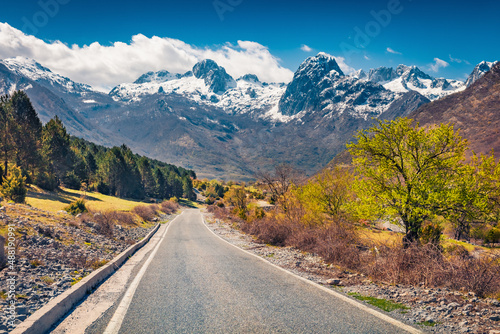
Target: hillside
point(475, 111)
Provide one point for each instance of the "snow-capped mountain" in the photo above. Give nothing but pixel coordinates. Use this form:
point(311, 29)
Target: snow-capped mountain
point(207, 84)
point(479, 71)
point(79, 96)
point(31, 69)
point(319, 85)
point(411, 78)
point(206, 120)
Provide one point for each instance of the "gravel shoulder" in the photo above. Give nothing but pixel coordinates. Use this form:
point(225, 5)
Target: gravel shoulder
point(434, 310)
point(54, 252)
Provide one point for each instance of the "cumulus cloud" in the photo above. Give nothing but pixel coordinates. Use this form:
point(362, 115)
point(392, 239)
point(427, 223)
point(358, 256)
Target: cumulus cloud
point(306, 48)
point(438, 63)
point(393, 51)
point(104, 67)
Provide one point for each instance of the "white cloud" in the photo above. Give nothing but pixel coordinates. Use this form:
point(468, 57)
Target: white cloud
point(458, 60)
point(438, 63)
point(343, 66)
point(106, 66)
point(367, 57)
point(393, 51)
point(306, 48)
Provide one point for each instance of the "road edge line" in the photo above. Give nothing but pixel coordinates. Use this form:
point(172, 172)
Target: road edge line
point(116, 321)
point(340, 296)
point(43, 319)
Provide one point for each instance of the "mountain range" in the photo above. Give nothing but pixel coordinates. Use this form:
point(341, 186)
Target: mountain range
point(223, 127)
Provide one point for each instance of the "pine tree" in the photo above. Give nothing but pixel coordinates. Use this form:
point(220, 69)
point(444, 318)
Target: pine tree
point(29, 133)
point(160, 183)
point(56, 147)
point(8, 130)
point(147, 178)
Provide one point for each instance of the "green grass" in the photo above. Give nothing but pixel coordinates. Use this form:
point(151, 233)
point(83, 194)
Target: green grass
point(188, 203)
point(383, 304)
point(47, 280)
point(427, 323)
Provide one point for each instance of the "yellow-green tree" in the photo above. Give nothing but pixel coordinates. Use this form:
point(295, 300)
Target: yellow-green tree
point(475, 195)
point(407, 171)
point(14, 185)
point(328, 191)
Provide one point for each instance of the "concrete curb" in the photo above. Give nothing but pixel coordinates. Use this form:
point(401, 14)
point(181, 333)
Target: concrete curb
point(43, 319)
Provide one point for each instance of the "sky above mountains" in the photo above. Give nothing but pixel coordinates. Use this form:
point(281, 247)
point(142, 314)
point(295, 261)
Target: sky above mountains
point(104, 43)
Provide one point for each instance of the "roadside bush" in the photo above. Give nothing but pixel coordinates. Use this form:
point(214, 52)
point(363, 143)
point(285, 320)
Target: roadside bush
point(105, 223)
point(76, 207)
point(169, 207)
point(269, 231)
point(146, 212)
point(13, 187)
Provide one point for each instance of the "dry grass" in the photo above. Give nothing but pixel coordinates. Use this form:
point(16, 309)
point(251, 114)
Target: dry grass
point(58, 200)
point(338, 242)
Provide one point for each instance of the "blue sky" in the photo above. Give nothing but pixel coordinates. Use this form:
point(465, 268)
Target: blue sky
point(454, 34)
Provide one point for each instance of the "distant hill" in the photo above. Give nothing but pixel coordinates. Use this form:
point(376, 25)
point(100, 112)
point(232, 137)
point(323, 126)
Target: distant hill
point(475, 111)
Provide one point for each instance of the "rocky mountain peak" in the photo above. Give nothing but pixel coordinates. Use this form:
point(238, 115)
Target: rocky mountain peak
point(249, 78)
point(479, 71)
point(319, 65)
point(160, 76)
point(216, 77)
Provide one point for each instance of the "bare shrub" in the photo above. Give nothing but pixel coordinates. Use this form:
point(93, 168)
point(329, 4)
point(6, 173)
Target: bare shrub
point(427, 265)
point(105, 223)
point(268, 230)
point(169, 207)
point(480, 275)
point(122, 218)
point(146, 212)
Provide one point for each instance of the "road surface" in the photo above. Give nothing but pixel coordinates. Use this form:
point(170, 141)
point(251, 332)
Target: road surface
point(197, 283)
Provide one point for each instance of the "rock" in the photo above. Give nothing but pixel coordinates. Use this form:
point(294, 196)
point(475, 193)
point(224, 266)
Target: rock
point(334, 281)
point(495, 318)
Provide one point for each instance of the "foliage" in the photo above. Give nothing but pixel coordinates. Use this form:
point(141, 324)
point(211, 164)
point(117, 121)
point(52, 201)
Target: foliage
point(76, 207)
point(279, 183)
point(49, 156)
point(237, 197)
point(46, 180)
point(72, 181)
point(327, 193)
point(406, 171)
point(475, 195)
point(14, 186)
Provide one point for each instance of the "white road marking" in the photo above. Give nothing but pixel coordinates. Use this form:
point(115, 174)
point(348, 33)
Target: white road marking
point(116, 321)
point(353, 302)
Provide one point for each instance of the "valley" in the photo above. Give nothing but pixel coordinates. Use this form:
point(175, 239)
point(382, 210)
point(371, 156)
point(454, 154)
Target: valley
point(231, 129)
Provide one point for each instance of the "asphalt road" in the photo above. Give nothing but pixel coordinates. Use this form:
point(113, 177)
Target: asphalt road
point(198, 283)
